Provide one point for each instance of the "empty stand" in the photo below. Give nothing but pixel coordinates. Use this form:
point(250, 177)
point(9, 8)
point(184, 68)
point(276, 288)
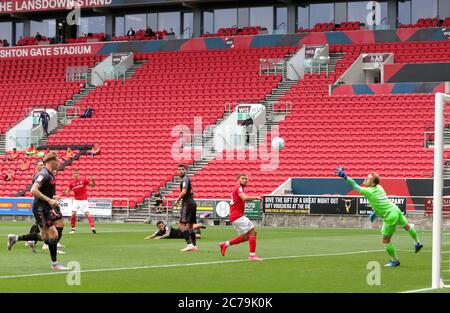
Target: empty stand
point(40, 82)
point(133, 122)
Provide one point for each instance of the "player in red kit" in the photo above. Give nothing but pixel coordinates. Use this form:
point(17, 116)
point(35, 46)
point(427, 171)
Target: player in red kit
point(240, 222)
point(79, 188)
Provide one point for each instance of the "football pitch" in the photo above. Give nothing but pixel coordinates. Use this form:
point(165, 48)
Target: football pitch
point(118, 259)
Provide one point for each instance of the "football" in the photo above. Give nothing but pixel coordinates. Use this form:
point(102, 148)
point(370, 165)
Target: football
point(278, 143)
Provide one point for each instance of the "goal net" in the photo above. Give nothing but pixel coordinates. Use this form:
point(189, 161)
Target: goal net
point(441, 201)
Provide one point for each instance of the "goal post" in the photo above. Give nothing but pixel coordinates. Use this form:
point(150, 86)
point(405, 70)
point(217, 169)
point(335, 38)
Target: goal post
point(441, 100)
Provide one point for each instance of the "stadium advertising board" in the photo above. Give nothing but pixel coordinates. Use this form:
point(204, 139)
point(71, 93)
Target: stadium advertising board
point(310, 52)
point(97, 207)
point(252, 209)
point(286, 204)
point(243, 113)
point(322, 205)
point(204, 208)
point(332, 205)
point(50, 51)
point(375, 58)
point(428, 206)
point(118, 57)
point(446, 33)
point(221, 209)
point(16, 206)
point(365, 209)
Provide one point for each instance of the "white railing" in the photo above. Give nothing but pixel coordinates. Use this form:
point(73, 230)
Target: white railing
point(272, 66)
point(77, 73)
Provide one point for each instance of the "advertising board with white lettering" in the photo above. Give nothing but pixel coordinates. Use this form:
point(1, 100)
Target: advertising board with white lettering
point(286, 204)
point(221, 209)
point(50, 51)
point(365, 209)
point(97, 207)
point(350, 205)
point(375, 58)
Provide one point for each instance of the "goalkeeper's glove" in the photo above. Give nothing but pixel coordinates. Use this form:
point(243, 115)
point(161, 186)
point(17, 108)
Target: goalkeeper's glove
point(340, 172)
point(372, 216)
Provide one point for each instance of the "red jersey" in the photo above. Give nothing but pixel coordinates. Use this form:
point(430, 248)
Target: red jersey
point(237, 204)
point(79, 188)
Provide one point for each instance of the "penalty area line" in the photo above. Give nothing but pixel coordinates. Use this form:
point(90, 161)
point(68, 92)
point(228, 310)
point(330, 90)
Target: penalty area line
point(187, 264)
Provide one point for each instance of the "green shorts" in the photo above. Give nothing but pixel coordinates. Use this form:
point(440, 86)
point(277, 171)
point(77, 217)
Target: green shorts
point(390, 222)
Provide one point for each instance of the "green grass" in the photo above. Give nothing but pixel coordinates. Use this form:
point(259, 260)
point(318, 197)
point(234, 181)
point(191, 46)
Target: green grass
point(303, 260)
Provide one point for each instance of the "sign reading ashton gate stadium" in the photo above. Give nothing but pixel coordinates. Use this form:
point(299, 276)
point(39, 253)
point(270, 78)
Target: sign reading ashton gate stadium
point(50, 51)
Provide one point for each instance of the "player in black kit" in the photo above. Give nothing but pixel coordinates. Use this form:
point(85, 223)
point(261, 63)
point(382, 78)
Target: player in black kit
point(46, 211)
point(188, 214)
point(34, 235)
point(167, 231)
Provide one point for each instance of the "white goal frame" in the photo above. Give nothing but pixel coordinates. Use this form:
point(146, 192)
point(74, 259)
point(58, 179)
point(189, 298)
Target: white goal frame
point(438, 185)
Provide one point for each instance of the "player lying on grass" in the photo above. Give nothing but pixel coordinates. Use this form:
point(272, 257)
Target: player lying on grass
point(385, 209)
point(167, 231)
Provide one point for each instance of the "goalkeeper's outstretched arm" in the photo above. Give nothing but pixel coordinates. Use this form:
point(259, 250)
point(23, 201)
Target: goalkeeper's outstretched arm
point(340, 172)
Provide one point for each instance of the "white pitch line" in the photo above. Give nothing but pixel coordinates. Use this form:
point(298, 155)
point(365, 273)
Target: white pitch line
point(104, 231)
point(416, 290)
point(187, 264)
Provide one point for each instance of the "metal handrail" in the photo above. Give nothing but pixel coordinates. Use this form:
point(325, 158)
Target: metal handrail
point(266, 65)
point(99, 76)
point(76, 73)
point(115, 74)
point(30, 139)
point(189, 28)
point(426, 138)
point(278, 27)
point(227, 106)
point(293, 67)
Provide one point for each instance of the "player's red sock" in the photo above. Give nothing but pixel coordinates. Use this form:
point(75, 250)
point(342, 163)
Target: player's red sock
point(73, 221)
point(252, 243)
point(237, 240)
point(91, 221)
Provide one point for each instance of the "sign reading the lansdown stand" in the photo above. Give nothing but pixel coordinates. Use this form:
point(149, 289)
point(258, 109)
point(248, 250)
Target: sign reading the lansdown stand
point(11, 6)
point(322, 205)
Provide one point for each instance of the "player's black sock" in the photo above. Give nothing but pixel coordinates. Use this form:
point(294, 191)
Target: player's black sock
point(53, 248)
point(193, 238)
point(60, 231)
point(204, 227)
point(29, 237)
point(187, 236)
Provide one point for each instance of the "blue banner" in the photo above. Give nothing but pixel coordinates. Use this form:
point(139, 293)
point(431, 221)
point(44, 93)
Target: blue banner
point(16, 206)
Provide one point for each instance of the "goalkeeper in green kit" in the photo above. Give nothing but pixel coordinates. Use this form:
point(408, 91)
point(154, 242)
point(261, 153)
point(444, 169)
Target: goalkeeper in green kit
point(384, 208)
